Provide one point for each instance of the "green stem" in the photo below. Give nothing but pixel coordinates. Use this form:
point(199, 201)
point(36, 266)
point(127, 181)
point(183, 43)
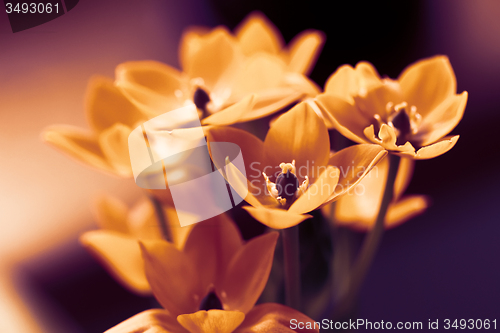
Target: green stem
point(371, 242)
point(160, 217)
point(291, 256)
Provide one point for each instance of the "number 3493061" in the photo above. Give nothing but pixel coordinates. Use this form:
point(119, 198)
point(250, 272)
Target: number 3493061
point(32, 8)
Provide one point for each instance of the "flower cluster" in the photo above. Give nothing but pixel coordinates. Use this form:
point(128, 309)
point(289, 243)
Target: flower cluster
point(205, 277)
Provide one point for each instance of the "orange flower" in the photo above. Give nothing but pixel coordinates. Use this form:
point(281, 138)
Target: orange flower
point(295, 153)
point(359, 208)
point(409, 116)
point(229, 78)
point(257, 34)
point(111, 117)
point(115, 245)
point(211, 285)
point(219, 70)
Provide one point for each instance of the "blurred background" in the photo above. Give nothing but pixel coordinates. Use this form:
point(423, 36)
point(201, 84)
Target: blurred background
point(443, 264)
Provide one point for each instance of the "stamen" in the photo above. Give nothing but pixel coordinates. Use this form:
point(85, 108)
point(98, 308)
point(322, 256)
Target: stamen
point(378, 121)
point(288, 166)
point(271, 187)
point(211, 302)
point(415, 119)
point(302, 187)
point(388, 107)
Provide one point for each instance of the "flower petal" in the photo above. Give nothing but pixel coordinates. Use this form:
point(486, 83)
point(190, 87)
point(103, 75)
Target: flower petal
point(347, 82)
point(354, 164)
point(106, 105)
point(155, 76)
point(259, 73)
point(177, 233)
point(114, 145)
point(318, 192)
point(373, 183)
point(121, 256)
point(276, 218)
point(219, 321)
point(374, 100)
point(304, 50)
point(252, 152)
point(292, 137)
point(343, 116)
point(152, 86)
point(189, 43)
point(300, 82)
point(149, 321)
point(436, 149)
point(248, 272)
point(210, 56)
point(273, 317)
point(111, 214)
point(78, 144)
point(427, 83)
point(364, 217)
point(210, 247)
point(405, 209)
point(143, 224)
point(172, 277)
point(257, 34)
point(140, 221)
point(231, 114)
point(443, 119)
point(241, 185)
point(361, 204)
point(271, 102)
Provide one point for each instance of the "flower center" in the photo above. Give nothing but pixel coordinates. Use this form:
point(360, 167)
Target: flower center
point(201, 99)
point(286, 189)
point(211, 302)
point(403, 119)
point(287, 184)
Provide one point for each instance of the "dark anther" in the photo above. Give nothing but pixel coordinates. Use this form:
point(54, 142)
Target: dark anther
point(211, 302)
point(286, 185)
point(201, 99)
point(401, 122)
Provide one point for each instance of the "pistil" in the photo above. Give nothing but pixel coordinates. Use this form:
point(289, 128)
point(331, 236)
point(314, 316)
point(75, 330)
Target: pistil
point(211, 302)
point(201, 100)
point(286, 189)
point(403, 119)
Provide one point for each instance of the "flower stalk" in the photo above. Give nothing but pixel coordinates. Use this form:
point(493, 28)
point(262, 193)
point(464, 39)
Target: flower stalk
point(291, 255)
point(371, 242)
point(160, 217)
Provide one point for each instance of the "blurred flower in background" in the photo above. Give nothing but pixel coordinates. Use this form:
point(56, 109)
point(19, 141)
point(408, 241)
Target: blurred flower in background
point(212, 284)
point(115, 244)
point(358, 209)
point(219, 71)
